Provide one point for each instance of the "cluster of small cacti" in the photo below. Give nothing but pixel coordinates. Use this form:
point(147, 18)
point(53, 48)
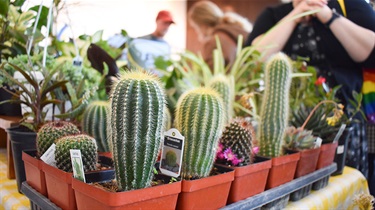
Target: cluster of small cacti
point(83, 142)
point(275, 105)
point(299, 139)
point(200, 119)
point(135, 127)
point(236, 147)
point(52, 131)
point(94, 123)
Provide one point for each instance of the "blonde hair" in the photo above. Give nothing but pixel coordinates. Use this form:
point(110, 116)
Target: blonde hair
point(207, 13)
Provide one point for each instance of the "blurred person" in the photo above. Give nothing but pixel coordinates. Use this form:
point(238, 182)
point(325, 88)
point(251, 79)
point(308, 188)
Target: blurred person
point(208, 20)
point(339, 41)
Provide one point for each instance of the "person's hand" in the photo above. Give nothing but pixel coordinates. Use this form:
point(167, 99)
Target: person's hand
point(301, 6)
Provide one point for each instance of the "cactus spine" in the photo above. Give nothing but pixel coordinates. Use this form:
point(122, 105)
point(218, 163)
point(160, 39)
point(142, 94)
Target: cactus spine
point(94, 123)
point(275, 105)
point(83, 142)
point(224, 86)
point(200, 118)
point(136, 128)
point(50, 132)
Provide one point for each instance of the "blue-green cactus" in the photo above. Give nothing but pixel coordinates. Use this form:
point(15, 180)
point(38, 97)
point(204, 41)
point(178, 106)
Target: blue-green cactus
point(136, 127)
point(275, 105)
point(200, 118)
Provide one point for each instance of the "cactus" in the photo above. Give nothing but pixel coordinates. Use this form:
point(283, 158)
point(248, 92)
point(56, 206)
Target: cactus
point(299, 139)
point(275, 105)
point(238, 136)
point(136, 127)
point(170, 158)
point(200, 118)
point(50, 132)
point(83, 142)
point(94, 123)
point(224, 86)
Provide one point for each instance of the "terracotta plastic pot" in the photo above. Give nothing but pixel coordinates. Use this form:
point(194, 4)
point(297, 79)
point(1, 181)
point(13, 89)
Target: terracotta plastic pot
point(282, 170)
point(206, 193)
point(157, 197)
point(59, 183)
point(307, 162)
point(34, 174)
point(249, 180)
point(327, 155)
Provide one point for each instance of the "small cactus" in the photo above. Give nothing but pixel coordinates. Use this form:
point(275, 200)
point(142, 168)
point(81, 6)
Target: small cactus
point(275, 105)
point(94, 123)
point(83, 142)
point(200, 118)
point(136, 126)
point(224, 86)
point(50, 132)
point(237, 138)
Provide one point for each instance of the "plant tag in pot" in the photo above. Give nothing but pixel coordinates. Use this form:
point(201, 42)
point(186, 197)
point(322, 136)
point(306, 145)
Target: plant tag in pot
point(172, 152)
point(49, 156)
point(77, 164)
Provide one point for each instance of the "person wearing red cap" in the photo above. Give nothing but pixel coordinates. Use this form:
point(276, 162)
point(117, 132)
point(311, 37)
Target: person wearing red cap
point(163, 20)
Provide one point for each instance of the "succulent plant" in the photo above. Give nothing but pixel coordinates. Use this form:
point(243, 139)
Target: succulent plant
point(299, 139)
point(200, 118)
point(136, 127)
point(237, 136)
point(83, 142)
point(224, 86)
point(50, 132)
point(94, 123)
point(275, 105)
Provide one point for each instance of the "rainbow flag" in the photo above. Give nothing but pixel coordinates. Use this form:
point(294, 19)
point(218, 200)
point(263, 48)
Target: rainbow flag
point(368, 91)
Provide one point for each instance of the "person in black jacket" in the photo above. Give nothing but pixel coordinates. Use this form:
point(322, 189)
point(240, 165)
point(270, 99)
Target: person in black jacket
point(339, 41)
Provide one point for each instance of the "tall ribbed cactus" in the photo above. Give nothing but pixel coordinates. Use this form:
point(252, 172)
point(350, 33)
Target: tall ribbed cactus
point(50, 132)
point(275, 105)
point(83, 142)
point(136, 127)
point(200, 118)
point(225, 87)
point(94, 123)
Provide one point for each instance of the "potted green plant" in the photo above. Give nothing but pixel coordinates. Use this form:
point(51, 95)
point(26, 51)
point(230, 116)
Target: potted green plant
point(200, 119)
point(236, 150)
point(135, 128)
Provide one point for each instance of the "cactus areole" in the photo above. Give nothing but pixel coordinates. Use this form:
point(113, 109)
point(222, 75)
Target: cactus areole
point(275, 105)
point(136, 127)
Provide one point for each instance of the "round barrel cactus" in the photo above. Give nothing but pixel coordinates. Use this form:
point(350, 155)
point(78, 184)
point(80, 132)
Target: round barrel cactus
point(83, 142)
point(50, 132)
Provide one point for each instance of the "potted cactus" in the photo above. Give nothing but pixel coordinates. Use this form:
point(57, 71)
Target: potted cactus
point(200, 119)
point(135, 128)
point(236, 150)
point(46, 136)
point(274, 120)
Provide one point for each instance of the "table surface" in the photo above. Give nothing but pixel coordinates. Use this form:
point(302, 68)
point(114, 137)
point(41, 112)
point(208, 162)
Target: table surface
point(338, 194)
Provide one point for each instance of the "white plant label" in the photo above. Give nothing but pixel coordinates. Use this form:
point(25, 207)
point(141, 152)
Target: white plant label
point(49, 156)
point(77, 164)
point(172, 152)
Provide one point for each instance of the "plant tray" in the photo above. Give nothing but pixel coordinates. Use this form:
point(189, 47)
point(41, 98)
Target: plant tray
point(37, 200)
point(277, 193)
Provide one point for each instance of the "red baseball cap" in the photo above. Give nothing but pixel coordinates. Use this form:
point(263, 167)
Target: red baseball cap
point(165, 16)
